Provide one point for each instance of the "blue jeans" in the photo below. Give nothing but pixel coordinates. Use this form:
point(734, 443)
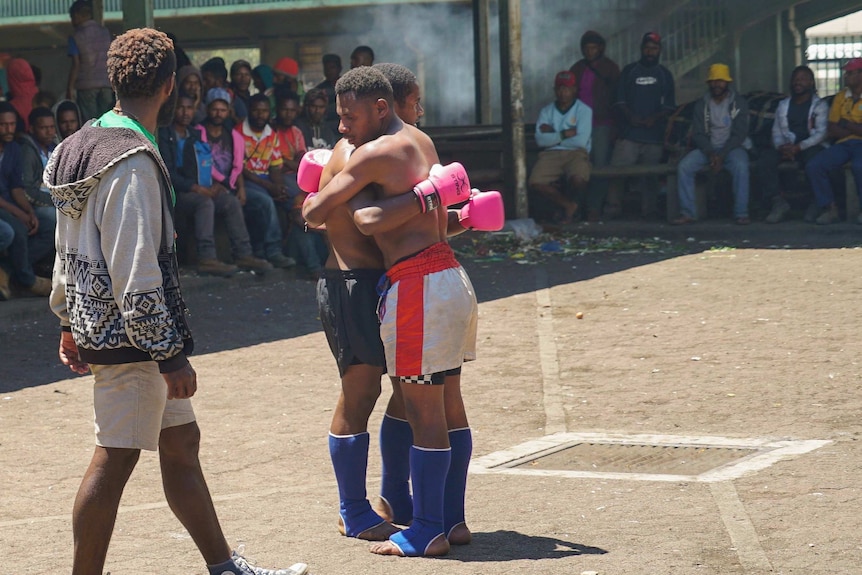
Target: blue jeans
point(7, 234)
point(261, 218)
point(308, 248)
point(829, 159)
point(736, 162)
point(25, 250)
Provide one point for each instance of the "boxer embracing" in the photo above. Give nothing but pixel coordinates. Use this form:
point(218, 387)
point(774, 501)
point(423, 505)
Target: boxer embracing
point(425, 341)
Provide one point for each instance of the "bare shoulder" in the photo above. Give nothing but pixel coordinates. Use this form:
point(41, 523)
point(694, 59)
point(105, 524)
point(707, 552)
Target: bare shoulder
point(340, 155)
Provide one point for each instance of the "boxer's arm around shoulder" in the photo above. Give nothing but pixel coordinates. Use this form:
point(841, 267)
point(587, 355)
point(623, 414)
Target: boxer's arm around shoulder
point(377, 216)
point(359, 172)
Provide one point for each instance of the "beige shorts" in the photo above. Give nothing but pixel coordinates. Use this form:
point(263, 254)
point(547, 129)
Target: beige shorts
point(553, 164)
point(131, 406)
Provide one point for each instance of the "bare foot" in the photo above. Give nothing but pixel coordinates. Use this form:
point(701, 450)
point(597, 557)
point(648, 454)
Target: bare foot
point(460, 535)
point(382, 508)
point(569, 212)
point(438, 546)
point(379, 532)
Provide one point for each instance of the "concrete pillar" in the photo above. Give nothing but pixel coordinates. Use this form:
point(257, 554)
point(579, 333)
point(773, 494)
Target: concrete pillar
point(137, 14)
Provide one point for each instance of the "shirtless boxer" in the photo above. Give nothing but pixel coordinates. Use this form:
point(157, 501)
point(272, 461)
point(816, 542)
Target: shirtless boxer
point(414, 253)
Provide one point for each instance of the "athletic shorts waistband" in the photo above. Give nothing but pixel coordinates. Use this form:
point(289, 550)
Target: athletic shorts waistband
point(435, 258)
point(357, 274)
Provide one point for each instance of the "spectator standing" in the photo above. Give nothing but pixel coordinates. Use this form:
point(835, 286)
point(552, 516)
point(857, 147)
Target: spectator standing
point(331, 73)
point(22, 90)
point(30, 243)
point(645, 99)
point(264, 184)
point(240, 81)
point(317, 133)
point(597, 77)
point(563, 131)
point(88, 49)
point(798, 134)
point(844, 126)
point(720, 136)
point(122, 316)
point(189, 162)
point(191, 83)
point(361, 56)
point(285, 77)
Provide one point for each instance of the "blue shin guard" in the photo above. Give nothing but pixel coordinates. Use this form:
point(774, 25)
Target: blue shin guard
point(396, 438)
point(461, 443)
point(428, 469)
point(349, 455)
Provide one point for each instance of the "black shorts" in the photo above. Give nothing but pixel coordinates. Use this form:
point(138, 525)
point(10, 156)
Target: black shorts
point(347, 302)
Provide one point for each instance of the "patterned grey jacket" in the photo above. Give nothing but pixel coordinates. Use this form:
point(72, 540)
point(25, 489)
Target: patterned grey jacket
point(116, 281)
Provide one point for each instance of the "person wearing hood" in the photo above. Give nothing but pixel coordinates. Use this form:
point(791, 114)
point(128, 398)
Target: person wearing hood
point(597, 76)
point(67, 117)
point(191, 83)
point(118, 300)
point(36, 147)
point(22, 89)
point(720, 136)
point(645, 99)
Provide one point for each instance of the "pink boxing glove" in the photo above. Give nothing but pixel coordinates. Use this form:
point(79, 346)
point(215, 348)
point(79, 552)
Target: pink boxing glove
point(446, 185)
point(483, 212)
point(310, 169)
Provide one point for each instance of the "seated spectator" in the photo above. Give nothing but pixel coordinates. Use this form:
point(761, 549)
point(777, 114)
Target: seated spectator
point(22, 89)
point(317, 133)
point(88, 75)
point(309, 249)
point(845, 126)
point(228, 152)
point(563, 132)
point(285, 77)
point(67, 117)
point(645, 98)
point(264, 185)
point(597, 77)
point(290, 139)
point(31, 241)
point(190, 82)
point(720, 136)
point(214, 75)
point(36, 147)
point(798, 134)
point(361, 56)
point(44, 100)
point(331, 71)
point(189, 161)
point(7, 235)
point(240, 80)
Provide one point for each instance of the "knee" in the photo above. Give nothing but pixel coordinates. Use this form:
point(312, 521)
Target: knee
point(180, 444)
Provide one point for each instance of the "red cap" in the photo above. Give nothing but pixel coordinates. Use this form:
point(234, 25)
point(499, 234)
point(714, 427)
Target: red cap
point(287, 66)
point(653, 37)
point(854, 64)
point(565, 78)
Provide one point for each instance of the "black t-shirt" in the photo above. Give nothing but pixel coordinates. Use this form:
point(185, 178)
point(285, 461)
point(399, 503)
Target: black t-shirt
point(646, 90)
point(797, 120)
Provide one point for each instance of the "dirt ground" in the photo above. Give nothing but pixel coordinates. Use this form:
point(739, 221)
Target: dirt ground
point(703, 331)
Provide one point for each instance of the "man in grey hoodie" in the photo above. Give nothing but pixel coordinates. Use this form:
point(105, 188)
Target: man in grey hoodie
point(117, 295)
point(720, 136)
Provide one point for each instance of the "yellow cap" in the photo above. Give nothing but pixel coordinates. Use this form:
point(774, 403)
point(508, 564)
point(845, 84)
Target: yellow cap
point(719, 72)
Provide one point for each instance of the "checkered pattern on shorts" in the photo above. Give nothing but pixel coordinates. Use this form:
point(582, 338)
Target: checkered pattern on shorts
point(432, 379)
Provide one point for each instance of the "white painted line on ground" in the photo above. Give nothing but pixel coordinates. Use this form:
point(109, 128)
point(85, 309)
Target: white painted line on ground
point(555, 414)
point(742, 533)
point(766, 452)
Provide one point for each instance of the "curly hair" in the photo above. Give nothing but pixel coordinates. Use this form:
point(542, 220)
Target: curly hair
point(365, 82)
point(401, 78)
point(140, 61)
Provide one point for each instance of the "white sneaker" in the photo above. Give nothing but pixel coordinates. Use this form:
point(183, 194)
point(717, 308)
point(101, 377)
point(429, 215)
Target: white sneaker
point(248, 568)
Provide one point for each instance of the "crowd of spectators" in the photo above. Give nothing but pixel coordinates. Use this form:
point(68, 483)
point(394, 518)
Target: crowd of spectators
point(604, 117)
point(232, 148)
